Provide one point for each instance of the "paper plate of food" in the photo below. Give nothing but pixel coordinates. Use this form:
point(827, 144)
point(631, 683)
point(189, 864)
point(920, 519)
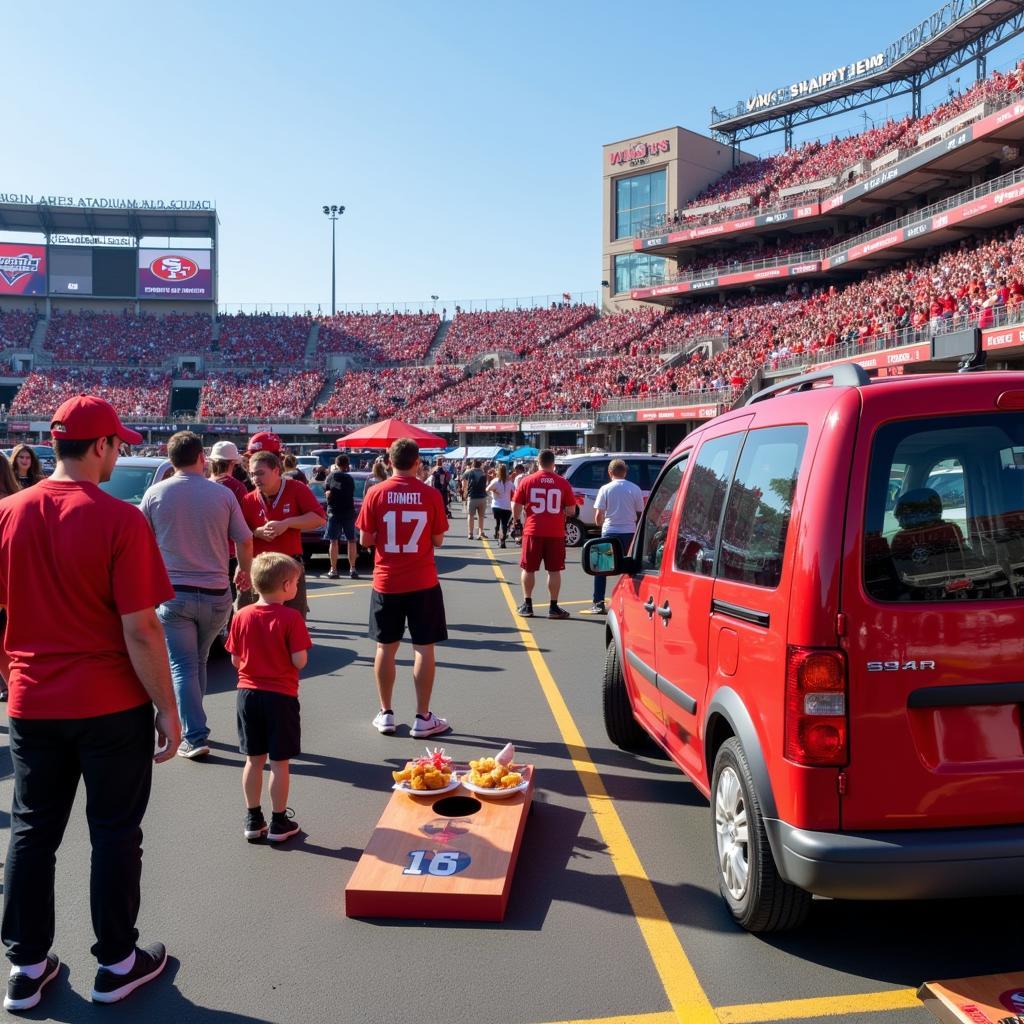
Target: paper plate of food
point(427, 776)
point(496, 777)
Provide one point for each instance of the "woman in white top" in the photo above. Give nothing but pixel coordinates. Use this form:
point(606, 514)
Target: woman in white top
point(501, 490)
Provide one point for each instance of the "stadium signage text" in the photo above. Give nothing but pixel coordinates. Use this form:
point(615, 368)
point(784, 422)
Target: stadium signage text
point(637, 156)
point(90, 203)
point(121, 241)
point(809, 86)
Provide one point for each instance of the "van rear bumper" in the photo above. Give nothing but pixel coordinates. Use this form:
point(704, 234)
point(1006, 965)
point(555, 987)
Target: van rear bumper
point(930, 864)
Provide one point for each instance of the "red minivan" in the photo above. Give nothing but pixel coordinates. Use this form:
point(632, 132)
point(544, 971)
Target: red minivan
point(821, 620)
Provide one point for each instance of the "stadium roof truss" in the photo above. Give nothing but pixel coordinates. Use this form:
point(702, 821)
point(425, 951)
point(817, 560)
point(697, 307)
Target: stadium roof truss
point(961, 32)
point(155, 223)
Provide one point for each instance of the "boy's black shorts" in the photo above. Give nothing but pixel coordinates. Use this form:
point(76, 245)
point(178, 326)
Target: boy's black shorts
point(423, 610)
point(268, 723)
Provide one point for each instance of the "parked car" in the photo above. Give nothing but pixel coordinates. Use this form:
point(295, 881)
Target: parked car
point(589, 473)
point(44, 452)
point(134, 474)
point(837, 667)
point(314, 542)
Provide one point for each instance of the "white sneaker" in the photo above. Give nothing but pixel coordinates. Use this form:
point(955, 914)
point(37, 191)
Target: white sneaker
point(430, 726)
point(193, 750)
point(384, 723)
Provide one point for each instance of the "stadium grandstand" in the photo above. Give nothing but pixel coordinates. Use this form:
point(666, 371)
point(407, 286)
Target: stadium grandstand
point(898, 245)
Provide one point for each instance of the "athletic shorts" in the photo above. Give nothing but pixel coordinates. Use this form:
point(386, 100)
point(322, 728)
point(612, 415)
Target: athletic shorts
point(477, 505)
point(268, 723)
point(422, 610)
point(341, 528)
point(549, 550)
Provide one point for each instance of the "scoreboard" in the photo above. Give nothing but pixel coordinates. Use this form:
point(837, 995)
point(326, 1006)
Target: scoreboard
point(92, 271)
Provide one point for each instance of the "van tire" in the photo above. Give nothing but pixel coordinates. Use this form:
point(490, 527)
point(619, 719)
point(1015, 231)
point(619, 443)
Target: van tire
point(769, 903)
point(622, 728)
point(574, 533)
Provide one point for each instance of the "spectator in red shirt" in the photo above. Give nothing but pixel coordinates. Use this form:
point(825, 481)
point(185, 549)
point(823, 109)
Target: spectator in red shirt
point(268, 642)
point(277, 512)
point(404, 519)
point(80, 577)
point(545, 498)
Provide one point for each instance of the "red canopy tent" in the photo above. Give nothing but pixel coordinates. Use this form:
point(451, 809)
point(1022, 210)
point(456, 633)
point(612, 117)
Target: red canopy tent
point(380, 435)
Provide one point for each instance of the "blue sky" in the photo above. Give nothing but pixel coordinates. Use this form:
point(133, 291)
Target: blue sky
point(463, 138)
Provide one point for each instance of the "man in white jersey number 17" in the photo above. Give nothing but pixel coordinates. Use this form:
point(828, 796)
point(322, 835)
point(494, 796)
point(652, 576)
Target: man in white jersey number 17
point(404, 519)
point(545, 499)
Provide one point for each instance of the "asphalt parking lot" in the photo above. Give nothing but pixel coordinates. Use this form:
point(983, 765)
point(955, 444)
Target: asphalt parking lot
point(614, 914)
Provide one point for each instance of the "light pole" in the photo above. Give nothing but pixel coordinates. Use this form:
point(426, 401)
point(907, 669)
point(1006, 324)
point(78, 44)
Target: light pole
point(333, 212)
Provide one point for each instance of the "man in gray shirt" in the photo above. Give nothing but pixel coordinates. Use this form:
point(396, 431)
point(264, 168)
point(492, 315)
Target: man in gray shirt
point(194, 520)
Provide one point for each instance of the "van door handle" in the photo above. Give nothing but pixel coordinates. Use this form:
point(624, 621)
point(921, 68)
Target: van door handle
point(649, 607)
point(665, 612)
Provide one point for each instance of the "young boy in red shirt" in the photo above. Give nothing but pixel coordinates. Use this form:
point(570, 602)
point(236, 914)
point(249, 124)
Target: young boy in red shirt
point(268, 642)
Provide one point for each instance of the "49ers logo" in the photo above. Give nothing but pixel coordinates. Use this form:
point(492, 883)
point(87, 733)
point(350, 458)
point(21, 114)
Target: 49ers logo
point(174, 268)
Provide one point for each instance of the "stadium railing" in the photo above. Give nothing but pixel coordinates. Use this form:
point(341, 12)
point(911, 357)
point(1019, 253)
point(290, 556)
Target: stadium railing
point(722, 396)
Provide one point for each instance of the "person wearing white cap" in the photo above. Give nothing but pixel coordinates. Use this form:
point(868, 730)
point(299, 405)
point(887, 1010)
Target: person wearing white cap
point(224, 457)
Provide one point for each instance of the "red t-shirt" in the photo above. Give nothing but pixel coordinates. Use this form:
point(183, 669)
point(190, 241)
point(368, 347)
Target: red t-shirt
point(237, 488)
point(73, 560)
point(405, 514)
point(294, 499)
point(544, 495)
point(264, 637)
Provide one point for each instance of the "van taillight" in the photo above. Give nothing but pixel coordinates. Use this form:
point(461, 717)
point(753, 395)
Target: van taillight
point(816, 725)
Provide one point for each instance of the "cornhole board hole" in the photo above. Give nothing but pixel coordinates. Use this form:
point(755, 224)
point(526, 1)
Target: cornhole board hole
point(449, 857)
point(990, 999)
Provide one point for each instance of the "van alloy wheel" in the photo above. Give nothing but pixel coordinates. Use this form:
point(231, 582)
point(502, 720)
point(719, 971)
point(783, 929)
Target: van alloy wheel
point(731, 830)
point(573, 533)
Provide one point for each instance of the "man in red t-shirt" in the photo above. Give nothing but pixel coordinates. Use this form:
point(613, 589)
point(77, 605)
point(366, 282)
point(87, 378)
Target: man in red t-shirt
point(545, 498)
point(81, 577)
point(404, 519)
point(277, 512)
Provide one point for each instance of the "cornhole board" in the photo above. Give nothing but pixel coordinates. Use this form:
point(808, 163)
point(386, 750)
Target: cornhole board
point(990, 999)
point(426, 862)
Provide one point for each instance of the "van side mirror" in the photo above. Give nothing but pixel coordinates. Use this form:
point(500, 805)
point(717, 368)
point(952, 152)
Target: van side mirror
point(603, 557)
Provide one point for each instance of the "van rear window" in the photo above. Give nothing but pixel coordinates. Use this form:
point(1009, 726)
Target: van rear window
point(945, 512)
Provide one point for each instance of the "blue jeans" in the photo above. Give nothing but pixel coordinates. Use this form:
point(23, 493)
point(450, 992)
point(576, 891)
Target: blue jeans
point(191, 623)
point(601, 582)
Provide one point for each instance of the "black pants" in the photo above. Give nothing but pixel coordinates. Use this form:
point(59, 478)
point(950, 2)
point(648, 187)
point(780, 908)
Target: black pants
point(114, 755)
point(502, 517)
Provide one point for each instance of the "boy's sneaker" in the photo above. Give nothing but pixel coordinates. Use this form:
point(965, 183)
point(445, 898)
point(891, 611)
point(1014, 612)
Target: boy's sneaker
point(599, 608)
point(558, 613)
point(111, 988)
point(282, 826)
point(193, 750)
point(255, 825)
point(24, 992)
point(332, 574)
point(352, 574)
point(384, 723)
point(526, 609)
point(429, 726)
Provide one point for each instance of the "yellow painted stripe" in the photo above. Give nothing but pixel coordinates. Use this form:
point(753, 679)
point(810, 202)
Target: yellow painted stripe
point(689, 1002)
point(826, 1006)
point(329, 593)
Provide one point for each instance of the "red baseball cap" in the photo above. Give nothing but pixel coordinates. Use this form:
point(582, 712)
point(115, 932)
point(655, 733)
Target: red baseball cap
point(264, 441)
point(86, 417)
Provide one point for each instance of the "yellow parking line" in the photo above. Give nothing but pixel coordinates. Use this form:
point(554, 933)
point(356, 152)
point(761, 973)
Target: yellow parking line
point(825, 1006)
point(689, 1002)
point(664, 1017)
point(329, 593)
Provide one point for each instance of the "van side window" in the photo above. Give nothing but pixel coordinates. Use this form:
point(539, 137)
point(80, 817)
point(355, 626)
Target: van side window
point(658, 517)
point(592, 474)
point(945, 512)
point(759, 506)
point(702, 507)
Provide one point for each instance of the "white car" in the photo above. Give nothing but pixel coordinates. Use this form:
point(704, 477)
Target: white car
point(134, 474)
point(589, 473)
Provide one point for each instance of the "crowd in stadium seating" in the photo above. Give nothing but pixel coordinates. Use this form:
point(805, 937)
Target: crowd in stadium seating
point(134, 338)
point(774, 250)
point(255, 395)
point(509, 330)
point(762, 181)
point(265, 339)
point(381, 337)
point(16, 327)
point(615, 332)
point(134, 392)
point(389, 391)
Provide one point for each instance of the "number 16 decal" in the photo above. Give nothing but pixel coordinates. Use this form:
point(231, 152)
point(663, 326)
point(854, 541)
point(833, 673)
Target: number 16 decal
point(447, 862)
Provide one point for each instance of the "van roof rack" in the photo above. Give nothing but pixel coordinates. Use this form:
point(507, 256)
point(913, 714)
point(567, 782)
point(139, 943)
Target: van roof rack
point(844, 375)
